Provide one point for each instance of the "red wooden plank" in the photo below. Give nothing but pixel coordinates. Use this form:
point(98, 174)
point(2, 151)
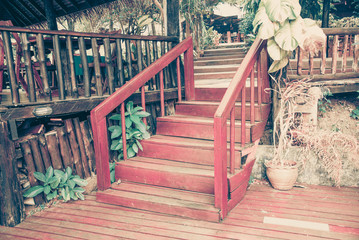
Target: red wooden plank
point(243, 119)
point(252, 97)
point(166, 176)
point(242, 177)
point(99, 131)
point(34, 234)
point(123, 125)
point(216, 94)
point(341, 229)
point(162, 94)
point(232, 141)
point(220, 165)
point(159, 204)
point(179, 85)
point(143, 102)
point(259, 80)
point(189, 73)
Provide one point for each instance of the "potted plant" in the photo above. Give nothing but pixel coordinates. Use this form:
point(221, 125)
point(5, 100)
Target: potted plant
point(279, 22)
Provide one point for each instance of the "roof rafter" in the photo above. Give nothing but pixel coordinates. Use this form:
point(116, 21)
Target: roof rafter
point(62, 6)
point(34, 15)
point(18, 16)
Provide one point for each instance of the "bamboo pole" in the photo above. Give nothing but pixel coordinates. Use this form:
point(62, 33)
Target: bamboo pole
point(97, 67)
point(129, 58)
point(120, 75)
point(59, 68)
point(74, 147)
point(109, 67)
point(28, 67)
point(74, 90)
point(44, 151)
point(65, 148)
point(11, 68)
point(43, 67)
point(36, 153)
point(80, 140)
point(88, 142)
point(85, 67)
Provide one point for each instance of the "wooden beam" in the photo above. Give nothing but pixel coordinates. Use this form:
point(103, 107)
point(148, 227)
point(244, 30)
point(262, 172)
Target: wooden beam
point(62, 6)
point(173, 18)
point(50, 14)
point(38, 9)
point(11, 200)
point(24, 111)
point(20, 13)
point(33, 14)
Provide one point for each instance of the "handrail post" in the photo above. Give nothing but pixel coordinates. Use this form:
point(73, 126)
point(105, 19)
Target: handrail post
point(220, 165)
point(189, 74)
point(100, 138)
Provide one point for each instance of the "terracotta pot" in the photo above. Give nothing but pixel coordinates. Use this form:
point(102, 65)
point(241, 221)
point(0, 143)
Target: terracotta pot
point(282, 178)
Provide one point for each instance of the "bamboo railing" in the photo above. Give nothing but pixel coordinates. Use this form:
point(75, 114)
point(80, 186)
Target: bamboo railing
point(338, 59)
point(46, 65)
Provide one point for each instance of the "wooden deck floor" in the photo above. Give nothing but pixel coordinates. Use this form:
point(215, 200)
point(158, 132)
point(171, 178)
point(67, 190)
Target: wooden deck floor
point(313, 212)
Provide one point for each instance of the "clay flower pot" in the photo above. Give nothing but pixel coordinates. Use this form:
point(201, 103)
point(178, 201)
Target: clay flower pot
point(282, 177)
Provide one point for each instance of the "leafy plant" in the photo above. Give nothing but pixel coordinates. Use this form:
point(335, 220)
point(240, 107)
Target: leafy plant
point(323, 104)
point(112, 172)
point(135, 130)
point(279, 22)
point(57, 183)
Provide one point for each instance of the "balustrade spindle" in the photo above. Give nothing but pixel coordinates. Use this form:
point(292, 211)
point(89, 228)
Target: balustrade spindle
point(85, 67)
point(243, 116)
point(129, 59)
point(232, 139)
point(74, 91)
point(59, 68)
point(345, 53)
point(28, 67)
point(252, 116)
point(259, 81)
point(143, 102)
point(97, 66)
point(179, 85)
point(120, 76)
point(324, 58)
point(335, 54)
point(109, 67)
point(123, 125)
point(356, 54)
point(11, 68)
point(162, 94)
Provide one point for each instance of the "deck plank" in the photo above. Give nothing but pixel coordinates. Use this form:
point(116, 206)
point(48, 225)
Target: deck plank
point(93, 220)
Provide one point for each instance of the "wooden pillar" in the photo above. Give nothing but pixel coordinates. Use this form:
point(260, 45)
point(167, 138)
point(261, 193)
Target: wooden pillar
point(11, 200)
point(325, 16)
point(50, 14)
point(173, 18)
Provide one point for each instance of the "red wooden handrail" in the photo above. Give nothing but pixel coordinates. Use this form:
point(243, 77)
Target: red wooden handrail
point(99, 113)
point(225, 110)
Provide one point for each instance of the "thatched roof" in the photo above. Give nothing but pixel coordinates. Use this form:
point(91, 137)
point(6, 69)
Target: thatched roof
point(29, 12)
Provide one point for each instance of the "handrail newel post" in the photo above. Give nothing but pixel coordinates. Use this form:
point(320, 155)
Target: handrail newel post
point(189, 73)
point(220, 165)
point(100, 138)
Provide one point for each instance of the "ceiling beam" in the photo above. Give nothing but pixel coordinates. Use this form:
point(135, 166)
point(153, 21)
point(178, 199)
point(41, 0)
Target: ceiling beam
point(32, 13)
point(17, 14)
point(62, 6)
point(37, 8)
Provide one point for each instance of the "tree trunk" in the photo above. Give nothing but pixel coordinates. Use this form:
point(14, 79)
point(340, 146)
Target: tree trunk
point(11, 200)
point(173, 18)
point(50, 14)
point(326, 10)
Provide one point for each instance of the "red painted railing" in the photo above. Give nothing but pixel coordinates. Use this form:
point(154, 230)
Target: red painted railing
point(226, 110)
point(98, 114)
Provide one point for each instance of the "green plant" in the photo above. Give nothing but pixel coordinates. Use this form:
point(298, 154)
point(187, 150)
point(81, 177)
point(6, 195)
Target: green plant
point(112, 172)
point(210, 37)
point(279, 22)
point(135, 130)
point(57, 183)
point(355, 113)
point(323, 104)
point(245, 25)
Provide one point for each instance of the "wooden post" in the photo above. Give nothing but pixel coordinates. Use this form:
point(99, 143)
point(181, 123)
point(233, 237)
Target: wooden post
point(74, 147)
point(80, 140)
point(12, 210)
point(43, 68)
point(173, 18)
point(53, 146)
point(109, 67)
point(120, 76)
point(85, 67)
point(50, 14)
point(36, 154)
point(229, 40)
point(335, 54)
point(74, 90)
point(356, 54)
point(59, 67)
point(65, 148)
point(28, 66)
point(11, 68)
point(189, 74)
point(88, 142)
point(96, 61)
point(44, 151)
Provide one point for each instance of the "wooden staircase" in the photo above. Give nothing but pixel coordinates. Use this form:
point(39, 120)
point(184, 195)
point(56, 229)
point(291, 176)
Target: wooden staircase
point(174, 174)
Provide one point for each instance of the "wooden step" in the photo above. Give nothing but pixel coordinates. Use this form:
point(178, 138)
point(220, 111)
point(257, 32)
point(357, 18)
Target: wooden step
point(216, 94)
point(183, 149)
point(208, 109)
point(216, 69)
point(214, 75)
point(218, 62)
point(223, 51)
point(166, 173)
point(196, 127)
point(161, 200)
point(233, 55)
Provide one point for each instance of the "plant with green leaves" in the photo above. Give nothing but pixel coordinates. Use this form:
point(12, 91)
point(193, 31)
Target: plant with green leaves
point(279, 22)
point(57, 183)
point(136, 130)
